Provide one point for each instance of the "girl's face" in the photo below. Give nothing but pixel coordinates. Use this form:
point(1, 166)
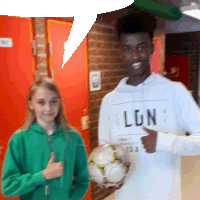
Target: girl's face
point(45, 104)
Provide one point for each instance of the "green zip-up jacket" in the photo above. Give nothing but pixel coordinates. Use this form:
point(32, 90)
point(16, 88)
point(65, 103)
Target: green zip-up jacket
point(27, 156)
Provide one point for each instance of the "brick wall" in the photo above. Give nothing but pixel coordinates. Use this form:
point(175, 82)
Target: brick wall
point(102, 56)
point(102, 49)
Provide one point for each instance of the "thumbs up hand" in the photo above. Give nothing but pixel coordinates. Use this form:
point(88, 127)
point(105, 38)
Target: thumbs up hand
point(150, 140)
point(53, 169)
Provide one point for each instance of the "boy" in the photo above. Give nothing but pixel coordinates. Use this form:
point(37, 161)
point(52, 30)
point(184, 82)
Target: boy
point(149, 115)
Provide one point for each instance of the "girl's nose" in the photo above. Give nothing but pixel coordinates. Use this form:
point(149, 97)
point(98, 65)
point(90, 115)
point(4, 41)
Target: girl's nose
point(47, 107)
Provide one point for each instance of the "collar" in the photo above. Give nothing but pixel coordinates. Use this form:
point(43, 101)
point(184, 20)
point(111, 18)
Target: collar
point(36, 127)
point(124, 87)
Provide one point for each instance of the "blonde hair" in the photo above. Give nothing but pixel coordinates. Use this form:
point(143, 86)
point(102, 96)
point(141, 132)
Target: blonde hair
point(30, 116)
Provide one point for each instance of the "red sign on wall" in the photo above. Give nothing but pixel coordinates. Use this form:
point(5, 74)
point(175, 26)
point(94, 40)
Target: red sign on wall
point(178, 68)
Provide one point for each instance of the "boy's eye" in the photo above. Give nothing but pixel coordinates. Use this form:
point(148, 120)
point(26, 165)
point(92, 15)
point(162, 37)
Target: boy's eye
point(126, 49)
point(53, 101)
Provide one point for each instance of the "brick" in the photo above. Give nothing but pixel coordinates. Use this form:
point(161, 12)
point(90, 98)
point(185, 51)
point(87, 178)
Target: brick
point(118, 66)
point(106, 60)
point(41, 60)
point(98, 52)
point(41, 70)
point(112, 80)
point(42, 65)
point(102, 37)
point(94, 44)
point(93, 67)
point(93, 59)
point(95, 103)
point(105, 30)
point(104, 66)
point(98, 44)
point(96, 194)
point(98, 95)
point(93, 36)
point(42, 76)
point(94, 116)
point(93, 138)
point(109, 87)
point(94, 124)
point(114, 60)
point(94, 28)
point(40, 25)
point(99, 18)
point(91, 44)
point(94, 110)
point(94, 145)
point(106, 45)
point(114, 52)
point(40, 40)
point(93, 131)
point(114, 73)
point(41, 50)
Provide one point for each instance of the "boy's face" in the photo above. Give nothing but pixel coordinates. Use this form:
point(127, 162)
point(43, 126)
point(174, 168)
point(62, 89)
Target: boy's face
point(136, 50)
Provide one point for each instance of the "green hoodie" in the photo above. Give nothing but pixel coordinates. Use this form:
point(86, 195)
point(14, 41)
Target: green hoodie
point(27, 156)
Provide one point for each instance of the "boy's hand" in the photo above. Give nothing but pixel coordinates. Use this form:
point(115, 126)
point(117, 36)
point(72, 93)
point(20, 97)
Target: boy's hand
point(150, 140)
point(116, 187)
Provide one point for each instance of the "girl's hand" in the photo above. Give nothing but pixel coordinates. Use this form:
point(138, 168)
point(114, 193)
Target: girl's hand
point(53, 169)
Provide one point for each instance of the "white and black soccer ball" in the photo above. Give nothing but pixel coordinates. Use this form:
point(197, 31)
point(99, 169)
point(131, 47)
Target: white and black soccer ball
point(108, 164)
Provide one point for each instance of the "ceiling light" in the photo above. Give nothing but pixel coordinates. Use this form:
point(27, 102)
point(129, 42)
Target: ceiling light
point(192, 10)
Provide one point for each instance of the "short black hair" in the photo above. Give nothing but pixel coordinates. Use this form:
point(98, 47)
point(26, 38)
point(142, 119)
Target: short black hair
point(136, 22)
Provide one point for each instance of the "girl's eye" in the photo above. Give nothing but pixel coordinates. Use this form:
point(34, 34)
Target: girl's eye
point(43, 102)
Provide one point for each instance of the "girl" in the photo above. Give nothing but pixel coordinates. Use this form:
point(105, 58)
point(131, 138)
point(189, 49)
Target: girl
point(45, 154)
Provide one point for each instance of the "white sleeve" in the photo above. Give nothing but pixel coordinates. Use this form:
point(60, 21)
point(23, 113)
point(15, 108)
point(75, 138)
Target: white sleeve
point(104, 123)
point(188, 118)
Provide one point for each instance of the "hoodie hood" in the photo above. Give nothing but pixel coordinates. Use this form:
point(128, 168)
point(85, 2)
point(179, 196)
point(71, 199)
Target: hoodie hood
point(37, 128)
point(124, 87)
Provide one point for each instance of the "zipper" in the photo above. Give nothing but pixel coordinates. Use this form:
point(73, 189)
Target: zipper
point(47, 187)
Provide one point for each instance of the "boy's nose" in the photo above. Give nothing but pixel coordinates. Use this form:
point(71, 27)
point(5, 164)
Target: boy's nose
point(134, 54)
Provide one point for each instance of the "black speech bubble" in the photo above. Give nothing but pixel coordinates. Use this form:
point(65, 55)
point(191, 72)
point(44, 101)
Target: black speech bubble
point(84, 18)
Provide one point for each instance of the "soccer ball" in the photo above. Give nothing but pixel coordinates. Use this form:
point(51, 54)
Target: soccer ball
point(108, 164)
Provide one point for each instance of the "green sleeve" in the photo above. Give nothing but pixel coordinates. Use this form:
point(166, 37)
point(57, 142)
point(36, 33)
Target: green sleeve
point(81, 180)
point(14, 182)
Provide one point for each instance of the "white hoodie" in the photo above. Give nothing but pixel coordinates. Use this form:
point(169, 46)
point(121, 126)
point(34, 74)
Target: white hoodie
point(161, 105)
